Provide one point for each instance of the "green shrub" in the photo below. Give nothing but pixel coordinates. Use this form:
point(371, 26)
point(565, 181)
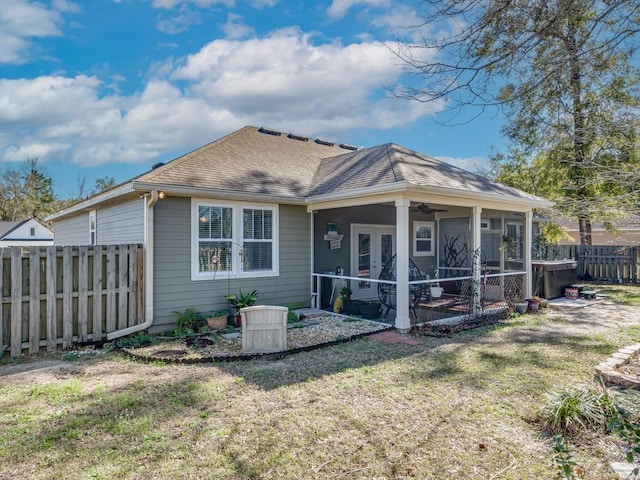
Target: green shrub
point(187, 322)
point(576, 408)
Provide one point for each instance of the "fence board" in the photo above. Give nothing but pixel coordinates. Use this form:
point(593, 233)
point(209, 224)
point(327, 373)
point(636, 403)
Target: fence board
point(133, 286)
point(96, 334)
point(123, 281)
point(16, 301)
point(34, 300)
point(83, 293)
point(52, 311)
point(67, 297)
point(2, 322)
point(111, 288)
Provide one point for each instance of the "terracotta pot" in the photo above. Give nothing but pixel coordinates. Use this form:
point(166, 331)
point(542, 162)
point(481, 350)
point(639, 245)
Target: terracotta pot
point(217, 323)
point(533, 304)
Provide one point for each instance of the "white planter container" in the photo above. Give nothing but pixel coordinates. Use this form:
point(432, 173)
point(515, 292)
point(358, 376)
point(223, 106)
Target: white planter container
point(436, 292)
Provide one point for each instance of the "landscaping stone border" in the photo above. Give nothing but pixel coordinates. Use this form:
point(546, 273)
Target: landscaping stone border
point(610, 370)
point(247, 356)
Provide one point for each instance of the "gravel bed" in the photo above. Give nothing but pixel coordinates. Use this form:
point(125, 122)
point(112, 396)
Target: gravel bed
point(307, 333)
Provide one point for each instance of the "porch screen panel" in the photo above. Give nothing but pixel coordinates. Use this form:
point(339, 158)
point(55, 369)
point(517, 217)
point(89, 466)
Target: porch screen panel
point(215, 237)
point(257, 239)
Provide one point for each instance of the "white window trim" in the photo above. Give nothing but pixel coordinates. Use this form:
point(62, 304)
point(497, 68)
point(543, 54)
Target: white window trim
point(237, 242)
point(431, 252)
point(93, 220)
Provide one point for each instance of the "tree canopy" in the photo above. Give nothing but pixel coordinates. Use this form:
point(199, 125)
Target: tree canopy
point(563, 72)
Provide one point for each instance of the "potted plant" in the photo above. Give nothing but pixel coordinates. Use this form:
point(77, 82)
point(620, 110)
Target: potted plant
point(217, 320)
point(240, 300)
point(351, 307)
point(435, 289)
point(521, 306)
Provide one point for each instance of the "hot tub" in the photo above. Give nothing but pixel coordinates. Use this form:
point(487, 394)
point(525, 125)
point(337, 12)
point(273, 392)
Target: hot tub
point(552, 276)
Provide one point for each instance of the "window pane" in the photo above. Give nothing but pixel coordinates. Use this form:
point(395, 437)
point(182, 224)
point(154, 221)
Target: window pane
point(257, 256)
point(214, 256)
point(268, 224)
point(423, 245)
point(423, 231)
point(247, 224)
point(257, 224)
point(215, 222)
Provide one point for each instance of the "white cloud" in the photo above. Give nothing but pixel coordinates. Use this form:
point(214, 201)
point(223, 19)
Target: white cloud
point(169, 4)
point(339, 8)
point(284, 80)
point(235, 28)
point(21, 21)
point(260, 4)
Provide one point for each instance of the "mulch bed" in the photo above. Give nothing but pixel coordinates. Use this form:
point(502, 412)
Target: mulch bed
point(310, 334)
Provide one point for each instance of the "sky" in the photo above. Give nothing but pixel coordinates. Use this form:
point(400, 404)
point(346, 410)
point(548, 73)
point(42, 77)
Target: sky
point(109, 87)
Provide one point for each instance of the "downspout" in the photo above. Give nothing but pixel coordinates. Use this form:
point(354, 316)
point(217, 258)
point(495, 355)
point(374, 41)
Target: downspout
point(149, 199)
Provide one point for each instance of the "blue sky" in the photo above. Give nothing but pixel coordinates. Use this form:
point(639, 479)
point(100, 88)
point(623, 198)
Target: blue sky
point(110, 87)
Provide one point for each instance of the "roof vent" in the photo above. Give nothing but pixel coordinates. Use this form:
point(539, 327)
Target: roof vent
point(293, 136)
point(156, 165)
point(324, 142)
point(348, 147)
point(270, 131)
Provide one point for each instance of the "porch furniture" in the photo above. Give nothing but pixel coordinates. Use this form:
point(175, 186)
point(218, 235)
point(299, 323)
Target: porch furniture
point(264, 329)
point(387, 291)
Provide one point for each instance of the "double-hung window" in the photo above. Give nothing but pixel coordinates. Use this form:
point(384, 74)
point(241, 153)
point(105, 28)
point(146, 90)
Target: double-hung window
point(423, 239)
point(239, 240)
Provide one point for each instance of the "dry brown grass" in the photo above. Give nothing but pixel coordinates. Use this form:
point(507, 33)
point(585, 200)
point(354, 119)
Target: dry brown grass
point(464, 406)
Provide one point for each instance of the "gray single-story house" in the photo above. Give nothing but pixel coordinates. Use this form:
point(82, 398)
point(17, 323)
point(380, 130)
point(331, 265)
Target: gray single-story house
point(264, 210)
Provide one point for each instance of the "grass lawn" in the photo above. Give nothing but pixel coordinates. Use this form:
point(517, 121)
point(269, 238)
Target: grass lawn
point(458, 407)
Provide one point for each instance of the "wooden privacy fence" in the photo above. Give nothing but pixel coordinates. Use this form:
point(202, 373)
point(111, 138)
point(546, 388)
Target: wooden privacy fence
point(608, 263)
point(54, 296)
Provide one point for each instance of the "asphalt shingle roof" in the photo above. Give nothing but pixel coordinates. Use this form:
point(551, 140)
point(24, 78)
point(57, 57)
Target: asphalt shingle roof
point(251, 161)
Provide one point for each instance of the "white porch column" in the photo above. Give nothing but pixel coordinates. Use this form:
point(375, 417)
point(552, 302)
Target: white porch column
point(528, 242)
point(403, 320)
point(477, 259)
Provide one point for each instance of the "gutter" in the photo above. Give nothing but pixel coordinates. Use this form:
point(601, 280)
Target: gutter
point(201, 192)
point(150, 199)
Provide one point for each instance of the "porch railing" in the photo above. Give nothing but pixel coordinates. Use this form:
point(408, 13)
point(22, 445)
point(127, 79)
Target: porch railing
point(498, 293)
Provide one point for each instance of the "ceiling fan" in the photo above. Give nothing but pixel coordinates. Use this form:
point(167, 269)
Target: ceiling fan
point(426, 209)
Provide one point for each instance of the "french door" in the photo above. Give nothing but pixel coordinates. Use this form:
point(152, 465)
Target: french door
point(372, 246)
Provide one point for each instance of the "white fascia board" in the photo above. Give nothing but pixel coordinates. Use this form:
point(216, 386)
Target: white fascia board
point(90, 203)
point(198, 192)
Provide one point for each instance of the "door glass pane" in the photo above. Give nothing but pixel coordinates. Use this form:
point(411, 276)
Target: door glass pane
point(364, 258)
point(386, 249)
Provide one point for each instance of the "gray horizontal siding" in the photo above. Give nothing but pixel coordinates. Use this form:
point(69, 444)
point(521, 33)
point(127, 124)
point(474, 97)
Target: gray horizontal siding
point(175, 291)
point(72, 230)
point(327, 260)
point(121, 223)
point(115, 224)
